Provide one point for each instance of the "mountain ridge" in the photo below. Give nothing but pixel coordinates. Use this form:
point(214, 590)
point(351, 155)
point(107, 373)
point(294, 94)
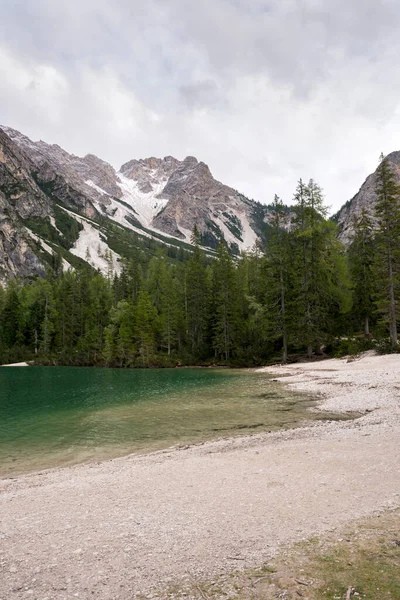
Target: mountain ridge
point(365, 198)
point(155, 198)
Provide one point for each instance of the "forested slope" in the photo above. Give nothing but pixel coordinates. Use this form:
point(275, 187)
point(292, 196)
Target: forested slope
point(301, 292)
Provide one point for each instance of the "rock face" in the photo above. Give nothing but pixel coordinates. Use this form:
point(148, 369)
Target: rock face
point(196, 198)
point(366, 198)
point(20, 199)
point(162, 195)
point(76, 201)
point(55, 202)
point(60, 174)
point(149, 172)
point(186, 194)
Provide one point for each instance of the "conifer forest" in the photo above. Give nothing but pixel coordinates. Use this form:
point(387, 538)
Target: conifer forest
point(299, 292)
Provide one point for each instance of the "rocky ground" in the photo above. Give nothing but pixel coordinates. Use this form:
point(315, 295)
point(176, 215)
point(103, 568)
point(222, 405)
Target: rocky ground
point(142, 525)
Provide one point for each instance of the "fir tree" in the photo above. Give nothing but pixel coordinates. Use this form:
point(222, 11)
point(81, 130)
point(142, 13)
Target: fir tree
point(278, 263)
point(318, 269)
point(197, 299)
point(362, 261)
point(146, 328)
point(226, 316)
point(388, 216)
point(12, 317)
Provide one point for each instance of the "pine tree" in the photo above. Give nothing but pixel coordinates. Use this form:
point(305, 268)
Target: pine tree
point(388, 216)
point(318, 269)
point(126, 331)
point(99, 303)
point(146, 328)
point(197, 299)
point(110, 264)
point(195, 237)
point(362, 261)
point(278, 263)
point(225, 305)
point(11, 317)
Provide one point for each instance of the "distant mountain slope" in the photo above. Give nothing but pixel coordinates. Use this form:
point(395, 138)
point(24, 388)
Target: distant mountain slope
point(365, 198)
point(54, 202)
point(20, 199)
point(160, 195)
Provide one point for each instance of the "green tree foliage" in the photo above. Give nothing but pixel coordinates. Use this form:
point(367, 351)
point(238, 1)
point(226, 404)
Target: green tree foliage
point(197, 300)
point(278, 276)
point(166, 308)
point(145, 328)
point(11, 329)
point(319, 275)
point(226, 323)
point(388, 255)
point(362, 256)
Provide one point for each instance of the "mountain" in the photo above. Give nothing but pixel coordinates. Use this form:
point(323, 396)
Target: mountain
point(365, 198)
point(79, 206)
point(20, 199)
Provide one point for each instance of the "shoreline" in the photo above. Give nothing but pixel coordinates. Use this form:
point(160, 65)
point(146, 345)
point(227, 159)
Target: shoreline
point(132, 524)
point(20, 364)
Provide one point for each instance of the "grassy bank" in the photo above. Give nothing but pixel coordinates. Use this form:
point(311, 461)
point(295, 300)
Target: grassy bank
point(361, 561)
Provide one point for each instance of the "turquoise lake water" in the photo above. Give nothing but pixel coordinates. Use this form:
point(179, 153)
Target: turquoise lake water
point(60, 415)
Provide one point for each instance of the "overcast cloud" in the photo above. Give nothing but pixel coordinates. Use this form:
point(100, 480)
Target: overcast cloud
point(264, 91)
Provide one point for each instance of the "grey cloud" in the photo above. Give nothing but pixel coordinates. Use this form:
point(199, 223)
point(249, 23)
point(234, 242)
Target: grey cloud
point(264, 91)
point(203, 94)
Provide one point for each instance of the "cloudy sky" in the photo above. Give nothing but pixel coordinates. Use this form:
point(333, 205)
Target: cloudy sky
point(264, 91)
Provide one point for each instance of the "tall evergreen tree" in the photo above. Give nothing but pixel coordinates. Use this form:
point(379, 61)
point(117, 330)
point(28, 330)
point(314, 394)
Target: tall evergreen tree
point(145, 328)
point(197, 298)
point(278, 273)
point(388, 215)
point(225, 317)
point(12, 317)
point(362, 261)
point(319, 268)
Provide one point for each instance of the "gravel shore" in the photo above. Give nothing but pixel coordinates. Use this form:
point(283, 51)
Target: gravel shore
point(124, 527)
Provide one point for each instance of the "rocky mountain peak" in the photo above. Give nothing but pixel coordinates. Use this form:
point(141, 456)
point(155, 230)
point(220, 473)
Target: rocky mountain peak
point(394, 157)
point(366, 198)
point(62, 196)
point(149, 173)
point(190, 161)
point(20, 199)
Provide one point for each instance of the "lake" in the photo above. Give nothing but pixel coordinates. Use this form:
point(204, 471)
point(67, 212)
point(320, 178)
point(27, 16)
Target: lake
point(52, 416)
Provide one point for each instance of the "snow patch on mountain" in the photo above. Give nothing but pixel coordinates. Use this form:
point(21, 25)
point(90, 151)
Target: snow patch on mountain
point(138, 201)
point(186, 232)
point(146, 205)
point(54, 224)
point(249, 236)
point(98, 189)
point(92, 247)
point(65, 264)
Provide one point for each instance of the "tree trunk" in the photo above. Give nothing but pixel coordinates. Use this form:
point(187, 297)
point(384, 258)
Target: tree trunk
point(285, 349)
point(366, 326)
point(392, 318)
point(284, 334)
point(392, 306)
point(309, 350)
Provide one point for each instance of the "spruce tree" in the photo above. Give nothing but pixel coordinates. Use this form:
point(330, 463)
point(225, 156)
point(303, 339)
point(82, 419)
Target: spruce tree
point(197, 298)
point(362, 261)
point(12, 316)
point(145, 328)
point(225, 305)
point(278, 273)
point(319, 271)
point(388, 260)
